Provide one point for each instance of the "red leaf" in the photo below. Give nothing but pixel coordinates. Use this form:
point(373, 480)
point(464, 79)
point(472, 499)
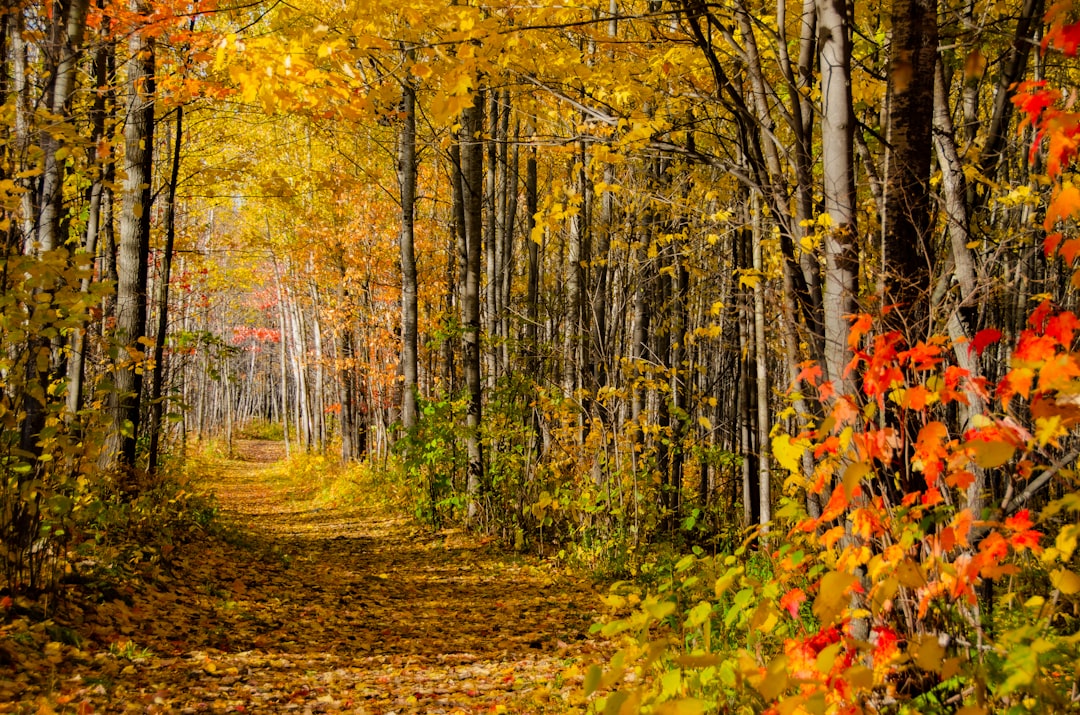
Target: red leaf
point(1037, 319)
point(1065, 38)
point(1020, 521)
point(791, 601)
point(1061, 326)
point(886, 643)
point(983, 339)
point(1050, 243)
point(1032, 98)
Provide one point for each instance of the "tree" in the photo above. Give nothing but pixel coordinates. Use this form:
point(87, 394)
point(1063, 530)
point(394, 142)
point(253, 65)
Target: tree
point(133, 248)
point(407, 182)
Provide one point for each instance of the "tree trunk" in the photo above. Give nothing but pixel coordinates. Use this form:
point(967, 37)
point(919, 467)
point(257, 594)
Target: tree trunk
point(156, 398)
point(838, 174)
point(908, 247)
point(133, 248)
point(472, 174)
point(407, 184)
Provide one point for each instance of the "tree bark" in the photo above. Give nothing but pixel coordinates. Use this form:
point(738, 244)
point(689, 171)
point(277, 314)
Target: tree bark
point(156, 398)
point(838, 175)
point(908, 247)
point(407, 184)
point(472, 174)
point(133, 249)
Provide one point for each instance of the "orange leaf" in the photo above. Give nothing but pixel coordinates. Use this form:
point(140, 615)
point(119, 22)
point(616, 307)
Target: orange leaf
point(1064, 205)
point(960, 479)
point(962, 526)
point(1069, 250)
point(859, 326)
point(830, 537)
point(810, 372)
point(837, 503)
point(1065, 38)
point(932, 497)
point(915, 398)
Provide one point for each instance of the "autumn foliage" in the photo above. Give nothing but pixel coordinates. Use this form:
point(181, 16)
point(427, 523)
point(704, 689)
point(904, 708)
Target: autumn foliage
point(904, 591)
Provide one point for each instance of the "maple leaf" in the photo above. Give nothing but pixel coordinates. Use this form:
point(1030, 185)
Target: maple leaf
point(826, 391)
point(860, 325)
point(1062, 326)
point(1063, 37)
point(983, 339)
point(1024, 537)
point(1017, 381)
point(838, 502)
point(1032, 98)
point(1050, 243)
point(788, 451)
point(886, 644)
point(916, 398)
point(810, 372)
point(924, 356)
point(993, 548)
point(791, 601)
point(932, 496)
point(1070, 249)
point(1063, 205)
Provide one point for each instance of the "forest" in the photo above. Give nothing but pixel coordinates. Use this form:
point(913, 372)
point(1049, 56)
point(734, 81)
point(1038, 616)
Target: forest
point(613, 356)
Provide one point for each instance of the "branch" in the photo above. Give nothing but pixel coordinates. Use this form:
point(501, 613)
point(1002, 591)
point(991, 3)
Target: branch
point(1011, 506)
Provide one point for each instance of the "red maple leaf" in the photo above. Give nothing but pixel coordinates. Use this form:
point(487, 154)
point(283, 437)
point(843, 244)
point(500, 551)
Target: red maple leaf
point(791, 601)
point(983, 339)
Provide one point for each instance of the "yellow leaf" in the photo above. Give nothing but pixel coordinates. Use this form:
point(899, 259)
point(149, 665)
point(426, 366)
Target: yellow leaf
point(832, 597)
point(749, 279)
point(1066, 540)
point(930, 654)
point(989, 455)
point(860, 677)
point(704, 422)
point(686, 706)
point(789, 452)
point(853, 475)
point(461, 85)
point(420, 70)
point(765, 617)
point(592, 679)
point(827, 657)
point(776, 678)
point(1065, 581)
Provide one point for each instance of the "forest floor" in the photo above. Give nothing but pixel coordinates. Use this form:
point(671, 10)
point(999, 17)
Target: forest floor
point(310, 608)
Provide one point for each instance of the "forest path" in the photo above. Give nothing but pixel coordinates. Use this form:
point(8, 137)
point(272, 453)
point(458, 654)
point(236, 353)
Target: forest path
point(323, 609)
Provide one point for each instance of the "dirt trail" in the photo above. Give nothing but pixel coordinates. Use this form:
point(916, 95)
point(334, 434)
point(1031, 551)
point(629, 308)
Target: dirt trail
point(325, 610)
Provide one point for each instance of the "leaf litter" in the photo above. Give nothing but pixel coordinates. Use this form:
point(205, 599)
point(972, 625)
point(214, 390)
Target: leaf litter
point(311, 608)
